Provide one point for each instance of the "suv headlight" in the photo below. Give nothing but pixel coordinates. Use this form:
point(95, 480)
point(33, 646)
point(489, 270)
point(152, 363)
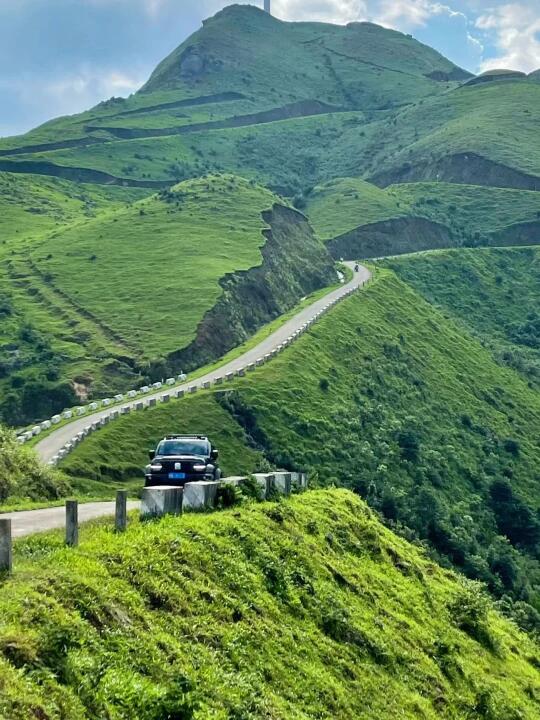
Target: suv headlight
point(156, 467)
point(199, 467)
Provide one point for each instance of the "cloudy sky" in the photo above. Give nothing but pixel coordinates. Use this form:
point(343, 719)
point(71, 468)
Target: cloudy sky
point(61, 56)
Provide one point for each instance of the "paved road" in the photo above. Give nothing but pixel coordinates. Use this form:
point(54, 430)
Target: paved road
point(29, 522)
point(50, 445)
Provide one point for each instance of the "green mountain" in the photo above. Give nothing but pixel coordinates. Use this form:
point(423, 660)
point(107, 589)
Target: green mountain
point(300, 609)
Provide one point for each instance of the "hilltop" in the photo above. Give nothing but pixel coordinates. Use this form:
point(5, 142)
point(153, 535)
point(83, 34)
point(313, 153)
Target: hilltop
point(84, 304)
point(304, 608)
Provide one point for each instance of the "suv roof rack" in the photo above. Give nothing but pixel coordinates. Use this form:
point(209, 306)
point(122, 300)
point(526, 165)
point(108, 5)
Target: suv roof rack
point(191, 435)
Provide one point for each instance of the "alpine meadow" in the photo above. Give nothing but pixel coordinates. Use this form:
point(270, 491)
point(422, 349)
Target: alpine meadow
point(279, 310)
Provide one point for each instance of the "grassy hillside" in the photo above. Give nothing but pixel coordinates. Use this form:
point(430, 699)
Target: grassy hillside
point(387, 396)
point(494, 293)
point(100, 305)
point(360, 101)
point(306, 608)
point(344, 204)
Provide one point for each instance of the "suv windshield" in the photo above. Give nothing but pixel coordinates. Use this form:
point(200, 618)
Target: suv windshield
point(184, 447)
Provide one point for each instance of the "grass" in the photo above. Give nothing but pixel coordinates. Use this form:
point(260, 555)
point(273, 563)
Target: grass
point(495, 293)
point(84, 304)
point(207, 229)
point(391, 397)
point(342, 205)
point(301, 609)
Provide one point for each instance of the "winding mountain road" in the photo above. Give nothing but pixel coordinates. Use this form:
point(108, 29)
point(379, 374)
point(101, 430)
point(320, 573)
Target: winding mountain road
point(32, 521)
point(52, 443)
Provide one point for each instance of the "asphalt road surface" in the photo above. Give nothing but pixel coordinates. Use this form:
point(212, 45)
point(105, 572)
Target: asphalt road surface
point(28, 522)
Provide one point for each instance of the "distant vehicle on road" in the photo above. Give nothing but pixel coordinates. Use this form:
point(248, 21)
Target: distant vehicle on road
point(179, 459)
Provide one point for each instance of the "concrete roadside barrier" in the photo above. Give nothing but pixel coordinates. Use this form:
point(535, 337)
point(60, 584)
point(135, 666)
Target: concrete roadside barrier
point(165, 397)
point(193, 389)
point(200, 495)
point(152, 402)
point(266, 483)
point(180, 393)
point(161, 500)
point(283, 482)
point(229, 376)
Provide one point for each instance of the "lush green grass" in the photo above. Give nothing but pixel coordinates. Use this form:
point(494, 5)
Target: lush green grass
point(129, 270)
point(360, 67)
point(389, 396)
point(342, 205)
point(495, 293)
point(306, 608)
point(94, 306)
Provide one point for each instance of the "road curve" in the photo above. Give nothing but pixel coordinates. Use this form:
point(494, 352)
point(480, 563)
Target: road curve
point(52, 444)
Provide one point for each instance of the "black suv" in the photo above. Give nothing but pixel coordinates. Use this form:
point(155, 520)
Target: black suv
point(179, 459)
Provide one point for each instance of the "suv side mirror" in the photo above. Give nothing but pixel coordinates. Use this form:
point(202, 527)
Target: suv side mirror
point(214, 454)
point(151, 454)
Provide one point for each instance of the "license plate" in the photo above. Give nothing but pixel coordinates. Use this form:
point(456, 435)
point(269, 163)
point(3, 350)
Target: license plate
point(177, 476)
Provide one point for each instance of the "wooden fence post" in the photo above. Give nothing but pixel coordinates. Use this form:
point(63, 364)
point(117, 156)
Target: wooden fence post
point(72, 523)
point(121, 511)
point(6, 546)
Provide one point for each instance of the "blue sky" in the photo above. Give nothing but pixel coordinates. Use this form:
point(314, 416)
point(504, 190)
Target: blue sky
point(62, 56)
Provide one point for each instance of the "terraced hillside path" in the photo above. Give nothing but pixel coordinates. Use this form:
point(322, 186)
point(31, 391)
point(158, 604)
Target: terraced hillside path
point(51, 445)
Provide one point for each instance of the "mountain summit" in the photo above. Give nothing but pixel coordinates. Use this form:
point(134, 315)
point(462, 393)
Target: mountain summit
point(244, 49)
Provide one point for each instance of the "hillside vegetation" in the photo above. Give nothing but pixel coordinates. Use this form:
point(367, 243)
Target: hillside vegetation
point(351, 213)
point(494, 293)
point(362, 101)
point(84, 306)
point(301, 609)
point(389, 397)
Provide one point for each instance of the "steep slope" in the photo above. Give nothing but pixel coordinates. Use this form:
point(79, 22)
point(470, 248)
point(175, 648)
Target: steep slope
point(481, 134)
point(389, 397)
point(362, 220)
point(150, 289)
point(234, 72)
point(494, 293)
point(306, 608)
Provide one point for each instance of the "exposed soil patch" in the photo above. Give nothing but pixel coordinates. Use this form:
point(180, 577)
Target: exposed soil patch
point(46, 147)
point(468, 168)
point(294, 265)
point(391, 237)
point(84, 175)
point(527, 233)
point(189, 102)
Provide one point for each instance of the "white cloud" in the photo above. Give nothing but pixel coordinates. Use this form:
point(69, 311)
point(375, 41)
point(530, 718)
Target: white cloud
point(89, 85)
point(516, 31)
point(400, 14)
point(334, 11)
